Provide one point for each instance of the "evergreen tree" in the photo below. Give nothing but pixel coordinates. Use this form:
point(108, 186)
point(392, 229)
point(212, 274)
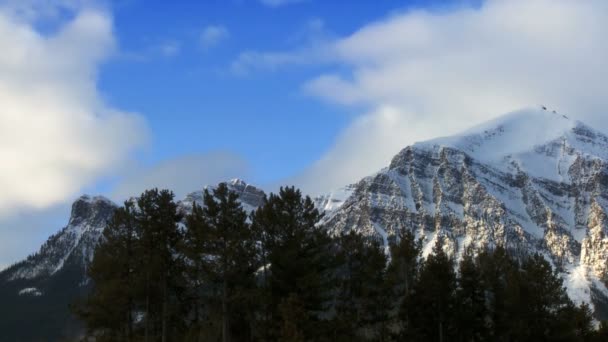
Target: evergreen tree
point(293, 319)
point(433, 298)
point(298, 255)
point(402, 274)
point(498, 271)
point(161, 266)
point(361, 303)
point(108, 310)
point(470, 310)
point(222, 248)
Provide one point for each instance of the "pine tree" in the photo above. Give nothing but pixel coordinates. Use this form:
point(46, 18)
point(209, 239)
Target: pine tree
point(108, 310)
point(402, 273)
point(196, 272)
point(161, 265)
point(498, 271)
point(470, 309)
point(361, 303)
point(298, 255)
point(223, 248)
point(293, 318)
point(433, 298)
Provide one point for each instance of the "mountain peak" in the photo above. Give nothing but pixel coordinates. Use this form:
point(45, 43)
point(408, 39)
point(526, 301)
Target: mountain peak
point(540, 141)
point(237, 182)
point(513, 133)
point(91, 208)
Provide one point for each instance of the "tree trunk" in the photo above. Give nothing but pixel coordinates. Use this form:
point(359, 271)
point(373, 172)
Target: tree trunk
point(147, 328)
point(165, 307)
point(440, 331)
point(225, 337)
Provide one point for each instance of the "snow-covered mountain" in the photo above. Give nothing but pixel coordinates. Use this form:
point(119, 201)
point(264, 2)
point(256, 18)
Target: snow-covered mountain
point(532, 181)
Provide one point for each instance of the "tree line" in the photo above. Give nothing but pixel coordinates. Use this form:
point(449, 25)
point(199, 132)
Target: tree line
point(219, 273)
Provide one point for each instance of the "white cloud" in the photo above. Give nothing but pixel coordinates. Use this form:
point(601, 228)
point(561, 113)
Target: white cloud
point(315, 45)
point(271, 61)
point(280, 3)
point(440, 72)
point(362, 149)
point(183, 175)
point(170, 48)
point(57, 134)
point(213, 35)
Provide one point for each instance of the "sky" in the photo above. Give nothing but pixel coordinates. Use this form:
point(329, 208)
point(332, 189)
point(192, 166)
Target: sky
point(113, 97)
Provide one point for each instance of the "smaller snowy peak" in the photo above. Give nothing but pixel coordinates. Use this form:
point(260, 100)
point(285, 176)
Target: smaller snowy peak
point(237, 182)
point(93, 209)
point(250, 196)
point(75, 241)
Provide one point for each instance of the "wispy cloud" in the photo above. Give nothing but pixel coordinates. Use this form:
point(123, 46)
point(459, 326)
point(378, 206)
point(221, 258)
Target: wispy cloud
point(280, 3)
point(170, 48)
point(183, 174)
point(314, 46)
point(213, 35)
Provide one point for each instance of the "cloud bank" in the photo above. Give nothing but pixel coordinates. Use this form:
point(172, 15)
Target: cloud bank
point(439, 72)
point(183, 174)
point(57, 134)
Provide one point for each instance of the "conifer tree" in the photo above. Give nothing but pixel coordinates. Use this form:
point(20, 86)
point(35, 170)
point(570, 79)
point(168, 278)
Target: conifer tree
point(402, 273)
point(498, 271)
point(470, 310)
point(108, 311)
point(299, 259)
point(224, 249)
point(362, 297)
point(433, 298)
point(161, 266)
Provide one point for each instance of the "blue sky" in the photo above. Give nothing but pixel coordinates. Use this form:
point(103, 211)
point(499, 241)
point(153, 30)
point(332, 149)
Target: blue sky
point(115, 96)
point(195, 103)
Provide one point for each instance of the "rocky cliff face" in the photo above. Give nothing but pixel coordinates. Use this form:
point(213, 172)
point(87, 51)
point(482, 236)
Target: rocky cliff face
point(533, 181)
point(76, 241)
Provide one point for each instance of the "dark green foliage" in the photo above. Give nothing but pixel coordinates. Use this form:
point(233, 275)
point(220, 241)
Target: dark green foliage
point(137, 273)
point(362, 299)
point(402, 273)
point(278, 276)
point(160, 266)
point(433, 298)
point(471, 311)
point(296, 256)
point(293, 319)
point(221, 252)
point(109, 309)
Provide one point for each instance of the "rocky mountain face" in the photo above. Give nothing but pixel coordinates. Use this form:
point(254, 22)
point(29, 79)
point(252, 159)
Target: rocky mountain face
point(531, 181)
point(76, 241)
